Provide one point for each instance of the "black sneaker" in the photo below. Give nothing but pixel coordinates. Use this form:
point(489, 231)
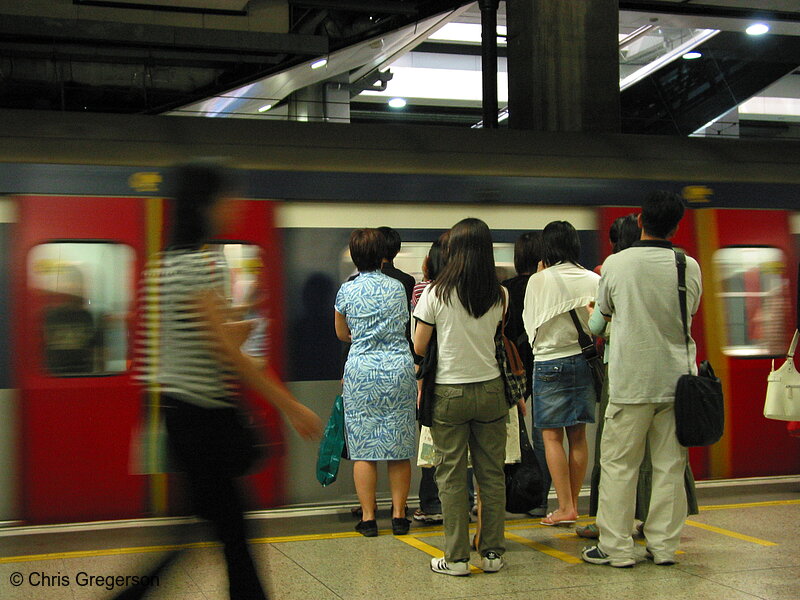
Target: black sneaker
point(400, 525)
point(367, 528)
point(594, 555)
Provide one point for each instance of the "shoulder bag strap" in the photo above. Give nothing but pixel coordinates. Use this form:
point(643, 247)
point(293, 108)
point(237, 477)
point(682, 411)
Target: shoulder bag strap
point(583, 338)
point(793, 345)
point(680, 262)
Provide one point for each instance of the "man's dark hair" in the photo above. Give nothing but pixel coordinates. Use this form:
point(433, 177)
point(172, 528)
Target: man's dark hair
point(367, 249)
point(392, 242)
point(527, 252)
point(661, 213)
point(560, 243)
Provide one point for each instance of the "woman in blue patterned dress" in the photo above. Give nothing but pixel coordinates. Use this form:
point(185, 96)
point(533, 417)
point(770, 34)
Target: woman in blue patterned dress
point(380, 390)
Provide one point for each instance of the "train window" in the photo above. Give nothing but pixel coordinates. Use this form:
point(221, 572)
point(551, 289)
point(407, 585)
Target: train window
point(86, 291)
point(755, 294)
point(246, 293)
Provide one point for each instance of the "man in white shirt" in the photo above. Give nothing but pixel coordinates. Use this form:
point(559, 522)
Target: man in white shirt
point(639, 289)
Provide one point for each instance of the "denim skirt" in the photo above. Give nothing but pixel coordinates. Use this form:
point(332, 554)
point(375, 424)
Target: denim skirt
point(563, 392)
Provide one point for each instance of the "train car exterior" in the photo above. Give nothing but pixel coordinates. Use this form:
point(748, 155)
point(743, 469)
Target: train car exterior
point(66, 437)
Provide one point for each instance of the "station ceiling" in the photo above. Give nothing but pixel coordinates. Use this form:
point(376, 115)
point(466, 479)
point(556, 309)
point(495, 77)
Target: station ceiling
point(233, 57)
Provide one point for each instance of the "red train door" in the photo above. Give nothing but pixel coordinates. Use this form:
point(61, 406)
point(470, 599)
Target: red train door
point(748, 258)
point(76, 269)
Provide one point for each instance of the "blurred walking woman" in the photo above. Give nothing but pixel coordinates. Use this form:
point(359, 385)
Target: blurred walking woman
point(563, 390)
point(192, 357)
point(379, 387)
point(465, 305)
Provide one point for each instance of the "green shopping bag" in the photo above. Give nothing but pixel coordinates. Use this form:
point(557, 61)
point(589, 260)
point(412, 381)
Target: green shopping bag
point(332, 445)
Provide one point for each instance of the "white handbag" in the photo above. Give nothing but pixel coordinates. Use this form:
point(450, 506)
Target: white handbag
point(783, 389)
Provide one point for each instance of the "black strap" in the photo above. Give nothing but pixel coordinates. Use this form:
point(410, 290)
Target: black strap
point(583, 338)
point(680, 262)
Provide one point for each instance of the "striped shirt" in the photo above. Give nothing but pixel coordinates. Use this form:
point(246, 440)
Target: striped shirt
point(176, 354)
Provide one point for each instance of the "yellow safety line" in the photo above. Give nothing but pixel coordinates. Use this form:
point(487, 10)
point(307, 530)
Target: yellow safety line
point(750, 504)
point(733, 534)
point(512, 525)
point(428, 549)
point(567, 558)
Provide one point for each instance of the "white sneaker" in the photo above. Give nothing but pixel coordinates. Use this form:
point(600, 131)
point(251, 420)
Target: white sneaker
point(492, 562)
point(457, 568)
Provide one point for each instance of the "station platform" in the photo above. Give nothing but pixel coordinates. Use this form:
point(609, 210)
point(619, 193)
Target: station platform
point(744, 544)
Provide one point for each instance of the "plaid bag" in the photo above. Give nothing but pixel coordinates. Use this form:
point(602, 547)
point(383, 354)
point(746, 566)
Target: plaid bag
point(512, 369)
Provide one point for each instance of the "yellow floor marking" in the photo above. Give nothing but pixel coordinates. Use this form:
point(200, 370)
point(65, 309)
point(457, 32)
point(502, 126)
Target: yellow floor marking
point(568, 558)
point(733, 534)
point(751, 504)
point(428, 549)
point(511, 525)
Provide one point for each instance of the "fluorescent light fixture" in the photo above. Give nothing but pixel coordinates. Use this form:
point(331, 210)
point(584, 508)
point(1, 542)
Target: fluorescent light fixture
point(397, 103)
point(692, 55)
point(319, 63)
point(757, 29)
point(265, 108)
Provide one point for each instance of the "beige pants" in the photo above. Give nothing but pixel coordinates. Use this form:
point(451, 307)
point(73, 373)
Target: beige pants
point(471, 415)
point(626, 428)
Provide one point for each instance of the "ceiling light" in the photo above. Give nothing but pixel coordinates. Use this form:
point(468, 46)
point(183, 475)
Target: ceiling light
point(319, 63)
point(397, 103)
point(692, 55)
point(757, 29)
point(265, 108)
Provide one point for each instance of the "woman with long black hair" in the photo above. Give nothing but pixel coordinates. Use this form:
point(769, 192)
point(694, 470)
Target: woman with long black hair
point(192, 357)
point(465, 305)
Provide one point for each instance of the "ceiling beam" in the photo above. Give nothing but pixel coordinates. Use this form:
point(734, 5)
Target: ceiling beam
point(390, 7)
point(708, 10)
point(19, 28)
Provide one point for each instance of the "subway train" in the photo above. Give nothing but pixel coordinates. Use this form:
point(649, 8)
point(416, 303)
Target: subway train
point(83, 205)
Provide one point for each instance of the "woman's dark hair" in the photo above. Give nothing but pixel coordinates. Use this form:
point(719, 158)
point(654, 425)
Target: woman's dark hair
point(393, 242)
point(367, 249)
point(624, 232)
point(560, 243)
point(434, 261)
point(195, 187)
point(469, 270)
point(661, 213)
point(527, 252)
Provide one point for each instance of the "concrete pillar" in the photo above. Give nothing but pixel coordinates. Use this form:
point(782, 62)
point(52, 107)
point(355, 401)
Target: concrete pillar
point(326, 101)
point(563, 65)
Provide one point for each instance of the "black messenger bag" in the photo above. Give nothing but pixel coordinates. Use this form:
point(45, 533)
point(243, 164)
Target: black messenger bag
point(699, 406)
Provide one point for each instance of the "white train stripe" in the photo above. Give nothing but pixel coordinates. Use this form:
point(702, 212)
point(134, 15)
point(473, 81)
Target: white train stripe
point(427, 216)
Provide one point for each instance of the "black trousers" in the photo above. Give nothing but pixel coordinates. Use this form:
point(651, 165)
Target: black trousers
point(196, 440)
point(215, 494)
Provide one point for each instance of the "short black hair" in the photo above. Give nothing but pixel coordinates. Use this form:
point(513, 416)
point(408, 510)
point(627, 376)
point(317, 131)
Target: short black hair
point(560, 243)
point(624, 232)
point(392, 242)
point(195, 187)
point(367, 249)
point(528, 252)
point(661, 213)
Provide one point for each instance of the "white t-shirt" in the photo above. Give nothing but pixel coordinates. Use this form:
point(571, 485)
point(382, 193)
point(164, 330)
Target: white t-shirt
point(639, 290)
point(466, 344)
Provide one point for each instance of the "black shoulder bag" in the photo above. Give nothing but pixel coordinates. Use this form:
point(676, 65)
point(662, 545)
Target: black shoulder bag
point(699, 407)
point(592, 356)
point(427, 373)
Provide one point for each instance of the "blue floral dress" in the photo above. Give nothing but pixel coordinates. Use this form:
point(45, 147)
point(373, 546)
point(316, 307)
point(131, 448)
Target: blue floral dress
point(380, 391)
